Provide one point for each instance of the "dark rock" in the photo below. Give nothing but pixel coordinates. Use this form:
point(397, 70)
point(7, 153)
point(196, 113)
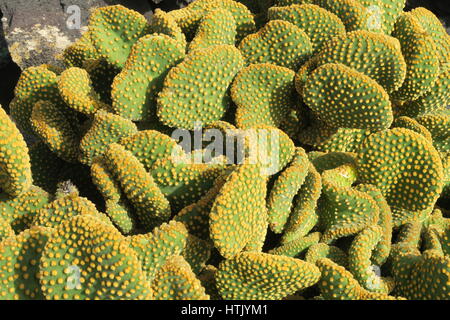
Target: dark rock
point(5, 58)
point(10, 74)
point(168, 5)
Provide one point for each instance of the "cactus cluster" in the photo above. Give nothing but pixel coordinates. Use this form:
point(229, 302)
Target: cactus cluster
point(346, 197)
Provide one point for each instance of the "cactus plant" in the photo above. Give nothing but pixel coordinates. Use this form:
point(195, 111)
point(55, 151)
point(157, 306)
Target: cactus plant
point(319, 24)
point(135, 88)
point(285, 149)
point(277, 35)
point(180, 106)
point(271, 276)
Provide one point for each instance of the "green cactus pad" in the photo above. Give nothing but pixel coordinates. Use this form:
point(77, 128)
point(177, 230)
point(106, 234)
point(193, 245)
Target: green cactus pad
point(236, 209)
point(337, 283)
point(322, 250)
point(303, 216)
point(319, 24)
point(196, 216)
point(422, 276)
point(431, 240)
point(182, 181)
point(385, 222)
point(121, 215)
point(102, 75)
point(163, 23)
point(176, 281)
point(446, 165)
point(87, 259)
point(315, 132)
point(262, 276)
point(19, 264)
point(444, 238)
point(35, 83)
point(413, 125)
point(15, 171)
point(418, 49)
point(114, 30)
point(433, 26)
point(138, 185)
point(392, 11)
point(331, 160)
point(355, 49)
point(343, 140)
point(155, 248)
point(351, 12)
point(285, 188)
point(275, 37)
point(402, 216)
point(408, 238)
point(135, 88)
point(359, 259)
point(415, 167)
point(342, 209)
point(329, 91)
point(302, 75)
point(106, 128)
point(21, 210)
point(269, 147)
point(64, 208)
point(263, 94)
point(258, 238)
point(437, 97)
point(79, 52)
point(6, 230)
point(148, 146)
point(52, 124)
point(208, 279)
point(197, 252)
point(383, 13)
point(437, 124)
point(45, 166)
point(75, 88)
point(184, 101)
point(216, 27)
point(295, 247)
point(104, 180)
point(244, 19)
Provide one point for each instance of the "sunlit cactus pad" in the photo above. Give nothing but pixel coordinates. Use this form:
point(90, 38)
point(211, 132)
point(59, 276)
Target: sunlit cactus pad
point(233, 150)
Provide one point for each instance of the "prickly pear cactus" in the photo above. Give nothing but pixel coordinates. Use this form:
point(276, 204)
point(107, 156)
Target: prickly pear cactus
point(178, 103)
point(233, 149)
point(15, 171)
point(135, 89)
